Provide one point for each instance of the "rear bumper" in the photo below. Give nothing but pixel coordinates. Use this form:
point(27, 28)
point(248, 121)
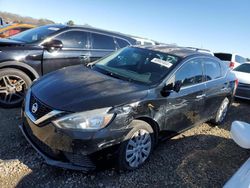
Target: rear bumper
point(89, 166)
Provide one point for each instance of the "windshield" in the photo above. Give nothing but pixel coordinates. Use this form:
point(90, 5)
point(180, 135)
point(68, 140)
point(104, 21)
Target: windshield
point(137, 64)
point(243, 68)
point(36, 34)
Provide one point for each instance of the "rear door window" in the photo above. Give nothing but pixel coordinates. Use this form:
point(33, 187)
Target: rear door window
point(103, 42)
point(212, 69)
point(74, 39)
point(190, 73)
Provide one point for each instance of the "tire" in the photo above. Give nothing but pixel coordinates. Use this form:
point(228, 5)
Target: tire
point(221, 112)
point(142, 147)
point(13, 85)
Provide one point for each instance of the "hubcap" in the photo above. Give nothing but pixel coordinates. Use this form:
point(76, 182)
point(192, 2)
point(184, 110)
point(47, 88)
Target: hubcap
point(138, 148)
point(223, 111)
point(11, 89)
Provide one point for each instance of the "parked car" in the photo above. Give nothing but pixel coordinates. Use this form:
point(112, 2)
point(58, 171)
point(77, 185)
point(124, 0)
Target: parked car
point(232, 60)
point(33, 53)
point(13, 29)
point(240, 132)
point(123, 104)
point(242, 72)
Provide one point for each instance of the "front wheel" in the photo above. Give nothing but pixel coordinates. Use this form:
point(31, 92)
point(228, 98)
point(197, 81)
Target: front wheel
point(13, 85)
point(137, 147)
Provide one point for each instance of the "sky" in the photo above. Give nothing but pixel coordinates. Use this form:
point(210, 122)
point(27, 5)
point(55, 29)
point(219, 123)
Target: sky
point(218, 25)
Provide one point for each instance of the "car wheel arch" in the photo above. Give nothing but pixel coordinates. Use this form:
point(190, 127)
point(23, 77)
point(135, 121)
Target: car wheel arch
point(22, 67)
point(155, 126)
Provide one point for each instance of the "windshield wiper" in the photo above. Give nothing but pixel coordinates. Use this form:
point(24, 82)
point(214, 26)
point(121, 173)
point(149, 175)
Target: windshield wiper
point(117, 76)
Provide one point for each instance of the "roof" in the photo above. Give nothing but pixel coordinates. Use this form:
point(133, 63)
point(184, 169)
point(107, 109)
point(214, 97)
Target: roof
point(90, 28)
point(174, 50)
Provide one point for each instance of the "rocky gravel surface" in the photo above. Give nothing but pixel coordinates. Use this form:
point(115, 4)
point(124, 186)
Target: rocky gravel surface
point(204, 156)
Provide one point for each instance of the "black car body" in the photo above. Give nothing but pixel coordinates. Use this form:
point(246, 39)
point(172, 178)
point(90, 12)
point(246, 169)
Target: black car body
point(141, 91)
point(39, 51)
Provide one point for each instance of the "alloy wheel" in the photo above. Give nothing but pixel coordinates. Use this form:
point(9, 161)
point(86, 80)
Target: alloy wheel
point(138, 148)
point(12, 89)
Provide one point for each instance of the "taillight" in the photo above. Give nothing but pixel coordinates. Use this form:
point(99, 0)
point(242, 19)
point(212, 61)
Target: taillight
point(236, 82)
point(231, 65)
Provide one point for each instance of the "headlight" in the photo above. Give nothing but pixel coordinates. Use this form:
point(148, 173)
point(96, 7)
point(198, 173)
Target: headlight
point(89, 120)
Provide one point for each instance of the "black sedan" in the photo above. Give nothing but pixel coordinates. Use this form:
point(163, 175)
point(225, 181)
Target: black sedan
point(35, 52)
point(123, 104)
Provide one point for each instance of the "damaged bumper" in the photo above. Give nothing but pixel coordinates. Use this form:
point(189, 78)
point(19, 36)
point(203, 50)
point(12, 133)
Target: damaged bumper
point(69, 149)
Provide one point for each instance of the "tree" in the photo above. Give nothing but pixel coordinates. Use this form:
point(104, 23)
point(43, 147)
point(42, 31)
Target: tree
point(70, 23)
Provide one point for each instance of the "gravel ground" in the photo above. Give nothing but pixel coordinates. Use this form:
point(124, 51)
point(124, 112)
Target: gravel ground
point(204, 156)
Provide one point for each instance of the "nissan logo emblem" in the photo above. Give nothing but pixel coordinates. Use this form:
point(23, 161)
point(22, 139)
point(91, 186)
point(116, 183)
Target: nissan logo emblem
point(34, 108)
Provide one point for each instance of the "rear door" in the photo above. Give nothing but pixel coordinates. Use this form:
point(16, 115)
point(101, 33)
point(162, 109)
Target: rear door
point(216, 86)
point(184, 109)
point(75, 51)
point(101, 45)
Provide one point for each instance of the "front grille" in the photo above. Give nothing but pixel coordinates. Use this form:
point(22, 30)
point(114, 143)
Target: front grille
point(242, 93)
point(39, 144)
point(42, 109)
point(244, 85)
point(79, 159)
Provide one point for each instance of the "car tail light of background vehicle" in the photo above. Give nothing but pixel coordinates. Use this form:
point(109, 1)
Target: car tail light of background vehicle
point(231, 65)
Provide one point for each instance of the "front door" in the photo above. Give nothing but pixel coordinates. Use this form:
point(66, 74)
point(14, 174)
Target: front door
point(75, 51)
point(184, 108)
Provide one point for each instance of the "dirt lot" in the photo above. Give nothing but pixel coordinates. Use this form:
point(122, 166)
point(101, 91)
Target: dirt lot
point(204, 156)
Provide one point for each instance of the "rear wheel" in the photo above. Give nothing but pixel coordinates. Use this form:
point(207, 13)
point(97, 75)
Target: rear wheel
point(13, 85)
point(137, 147)
point(222, 112)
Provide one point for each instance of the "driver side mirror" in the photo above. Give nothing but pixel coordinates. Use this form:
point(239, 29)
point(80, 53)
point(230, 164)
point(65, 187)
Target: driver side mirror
point(53, 45)
point(177, 86)
point(167, 89)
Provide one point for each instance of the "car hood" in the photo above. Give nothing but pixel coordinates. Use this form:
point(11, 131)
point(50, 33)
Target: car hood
point(9, 42)
point(78, 88)
point(242, 77)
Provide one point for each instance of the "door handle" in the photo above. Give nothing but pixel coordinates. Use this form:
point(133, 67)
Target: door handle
point(200, 96)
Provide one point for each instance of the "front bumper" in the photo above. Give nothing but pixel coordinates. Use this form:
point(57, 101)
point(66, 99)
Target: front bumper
point(69, 149)
point(243, 91)
point(68, 165)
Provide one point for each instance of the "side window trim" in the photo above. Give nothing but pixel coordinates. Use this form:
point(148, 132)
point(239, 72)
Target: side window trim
point(117, 44)
point(204, 69)
point(72, 48)
point(185, 61)
point(178, 68)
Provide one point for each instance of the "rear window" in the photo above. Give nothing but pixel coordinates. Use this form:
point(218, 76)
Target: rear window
point(223, 56)
point(243, 68)
point(240, 59)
